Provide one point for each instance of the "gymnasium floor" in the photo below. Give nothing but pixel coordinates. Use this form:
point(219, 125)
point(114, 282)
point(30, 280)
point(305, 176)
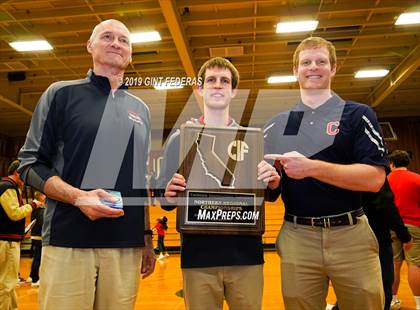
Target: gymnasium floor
point(159, 290)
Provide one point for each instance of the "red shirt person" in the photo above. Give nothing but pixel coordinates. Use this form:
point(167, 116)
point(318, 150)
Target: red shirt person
point(160, 228)
point(405, 185)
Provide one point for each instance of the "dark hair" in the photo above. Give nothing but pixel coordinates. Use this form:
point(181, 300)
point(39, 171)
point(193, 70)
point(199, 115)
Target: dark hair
point(13, 167)
point(399, 158)
point(163, 221)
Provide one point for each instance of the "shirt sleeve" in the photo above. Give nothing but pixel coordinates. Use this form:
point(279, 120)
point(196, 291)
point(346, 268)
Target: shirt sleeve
point(395, 221)
point(269, 147)
point(170, 165)
point(39, 152)
point(384, 210)
point(149, 147)
point(369, 145)
point(10, 204)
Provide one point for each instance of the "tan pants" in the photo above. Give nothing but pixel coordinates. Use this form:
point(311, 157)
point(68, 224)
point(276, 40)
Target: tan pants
point(241, 286)
point(346, 255)
point(9, 268)
point(89, 278)
point(412, 256)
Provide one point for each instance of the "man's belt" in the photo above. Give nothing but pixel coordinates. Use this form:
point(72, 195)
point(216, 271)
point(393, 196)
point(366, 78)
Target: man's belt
point(348, 218)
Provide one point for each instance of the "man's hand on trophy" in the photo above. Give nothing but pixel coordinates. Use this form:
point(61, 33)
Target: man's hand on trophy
point(175, 185)
point(268, 174)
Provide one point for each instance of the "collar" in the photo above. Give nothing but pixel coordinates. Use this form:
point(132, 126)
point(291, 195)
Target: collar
point(325, 108)
point(201, 121)
point(7, 179)
point(400, 169)
point(102, 82)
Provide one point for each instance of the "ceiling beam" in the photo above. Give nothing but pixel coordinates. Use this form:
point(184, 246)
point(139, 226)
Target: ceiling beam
point(170, 13)
point(30, 15)
point(378, 32)
point(326, 8)
point(15, 105)
point(173, 20)
point(228, 28)
point(274, 12)
point(52, 28)
point(395, 78)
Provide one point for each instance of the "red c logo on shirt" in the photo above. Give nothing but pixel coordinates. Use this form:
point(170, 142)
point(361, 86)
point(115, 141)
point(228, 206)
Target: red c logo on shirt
point(332, 128)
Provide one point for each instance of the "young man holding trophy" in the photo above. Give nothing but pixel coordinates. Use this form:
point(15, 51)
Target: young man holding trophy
point(216, 264)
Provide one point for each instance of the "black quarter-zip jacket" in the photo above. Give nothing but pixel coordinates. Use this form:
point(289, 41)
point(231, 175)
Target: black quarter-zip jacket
point(91, 138)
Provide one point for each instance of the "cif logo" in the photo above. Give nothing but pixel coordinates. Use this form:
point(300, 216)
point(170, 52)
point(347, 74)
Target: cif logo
point(237, 150)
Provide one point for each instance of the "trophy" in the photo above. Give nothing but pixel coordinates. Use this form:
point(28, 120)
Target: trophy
point(223, 195)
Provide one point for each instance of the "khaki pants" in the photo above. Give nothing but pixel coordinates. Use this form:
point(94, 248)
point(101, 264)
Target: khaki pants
point(89, 278)
point(346, 255)
point(242, 286)
point(9, 268)
point(412, 256)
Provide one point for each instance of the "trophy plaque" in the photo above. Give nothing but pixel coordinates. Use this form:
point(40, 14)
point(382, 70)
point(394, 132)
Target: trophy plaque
point(223, 195)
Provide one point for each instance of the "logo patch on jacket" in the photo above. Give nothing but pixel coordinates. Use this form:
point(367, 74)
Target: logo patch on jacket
point(135, 117)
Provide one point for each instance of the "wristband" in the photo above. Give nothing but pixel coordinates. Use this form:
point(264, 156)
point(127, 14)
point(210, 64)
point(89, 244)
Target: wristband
point(148, 232)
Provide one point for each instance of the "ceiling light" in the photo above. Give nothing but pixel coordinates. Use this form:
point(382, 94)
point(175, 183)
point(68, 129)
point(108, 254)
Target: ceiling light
point(370, 73)
point(281, 79)
point(307, 25)
point(408, 18)
point(28, 46)
point(138, 37)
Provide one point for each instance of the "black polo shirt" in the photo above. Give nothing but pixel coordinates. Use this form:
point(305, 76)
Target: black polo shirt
point(338, 131)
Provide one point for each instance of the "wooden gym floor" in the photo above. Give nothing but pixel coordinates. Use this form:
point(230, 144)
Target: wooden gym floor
point(159, 290)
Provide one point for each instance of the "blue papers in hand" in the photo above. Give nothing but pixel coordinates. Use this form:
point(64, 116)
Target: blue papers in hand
point(117, 203)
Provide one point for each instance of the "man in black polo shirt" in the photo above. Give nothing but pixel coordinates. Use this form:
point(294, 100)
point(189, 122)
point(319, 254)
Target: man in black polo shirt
point(329, 151)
